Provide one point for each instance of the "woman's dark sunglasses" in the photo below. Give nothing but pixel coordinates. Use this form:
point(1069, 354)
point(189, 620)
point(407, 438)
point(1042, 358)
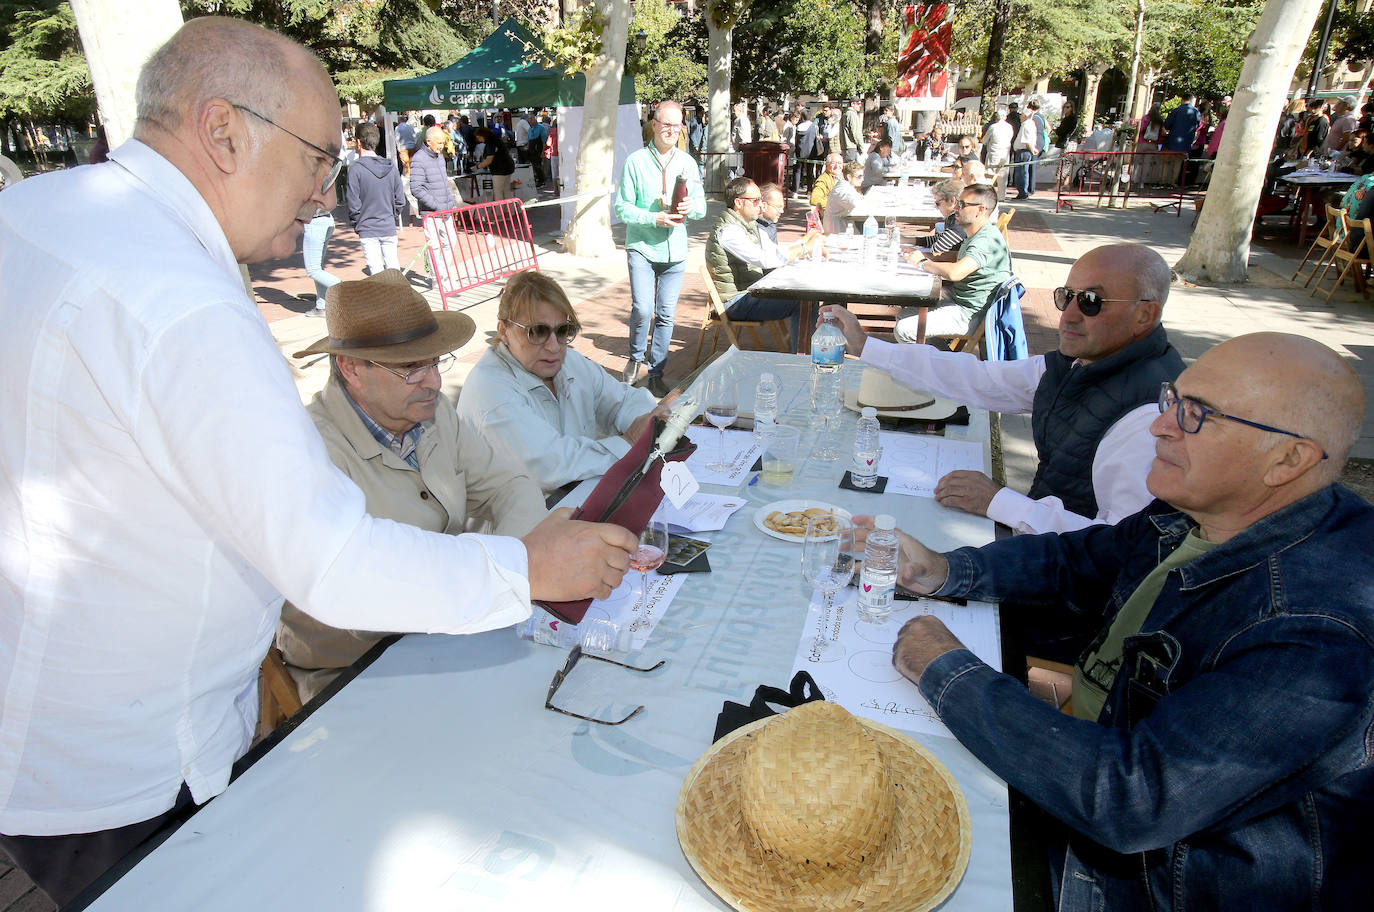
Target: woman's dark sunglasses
point(538, 333)
point(1089, 302)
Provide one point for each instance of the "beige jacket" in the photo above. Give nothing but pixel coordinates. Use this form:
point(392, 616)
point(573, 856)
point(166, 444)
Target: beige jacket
point(462, 476)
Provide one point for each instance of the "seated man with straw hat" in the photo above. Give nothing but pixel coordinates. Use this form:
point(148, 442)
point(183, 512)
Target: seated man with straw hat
point(388, 426)
point(1218, 756)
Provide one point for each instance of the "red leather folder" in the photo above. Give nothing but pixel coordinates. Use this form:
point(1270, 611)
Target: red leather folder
point(625, 497)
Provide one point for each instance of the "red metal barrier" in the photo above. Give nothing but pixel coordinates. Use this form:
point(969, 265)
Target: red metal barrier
point(1147, 175)
point(473, 245)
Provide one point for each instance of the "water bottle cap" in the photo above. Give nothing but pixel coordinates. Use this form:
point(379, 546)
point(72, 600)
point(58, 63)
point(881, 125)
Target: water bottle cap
point(884, 522)
point(868, 411)
point(766, 376)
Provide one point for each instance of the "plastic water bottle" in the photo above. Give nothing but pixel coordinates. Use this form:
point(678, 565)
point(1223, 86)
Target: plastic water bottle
point(878, 581)
point(765, 405)
point(849, 235)
point(864, 472)
point(870, 241)
point(894, 249)
point(827, 358)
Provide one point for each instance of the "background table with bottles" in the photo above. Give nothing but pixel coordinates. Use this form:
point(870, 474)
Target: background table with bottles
point(435, 778)
point(845, 279)
point(913, 203)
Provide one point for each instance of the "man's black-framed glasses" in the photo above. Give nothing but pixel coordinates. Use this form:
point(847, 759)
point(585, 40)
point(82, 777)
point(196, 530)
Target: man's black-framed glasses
point(1191, 414)
point(415, 374)
point(538, 333)
point(336, 162)
point(1089, 302)
point(574, 655)
point(964, 204)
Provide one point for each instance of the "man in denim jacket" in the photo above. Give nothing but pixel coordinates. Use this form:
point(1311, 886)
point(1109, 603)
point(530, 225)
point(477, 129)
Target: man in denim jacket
point(1228, 764)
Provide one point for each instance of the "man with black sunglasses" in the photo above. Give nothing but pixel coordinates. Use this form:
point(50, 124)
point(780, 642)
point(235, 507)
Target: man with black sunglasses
point(1091, 401)
point(1217, 752)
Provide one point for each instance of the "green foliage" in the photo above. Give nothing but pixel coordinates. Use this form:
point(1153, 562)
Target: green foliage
point(1207, 46)
point(807, 46)
point(43, 74)
point(673, 62)
point(577, 43)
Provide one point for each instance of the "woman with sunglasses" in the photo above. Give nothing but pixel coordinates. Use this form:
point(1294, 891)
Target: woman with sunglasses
point(560, 412)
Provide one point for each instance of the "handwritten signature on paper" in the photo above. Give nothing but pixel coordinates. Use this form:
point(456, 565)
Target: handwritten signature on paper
point(893, 708)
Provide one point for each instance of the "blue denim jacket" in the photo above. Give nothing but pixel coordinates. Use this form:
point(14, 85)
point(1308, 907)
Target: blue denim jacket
point(1229, 767)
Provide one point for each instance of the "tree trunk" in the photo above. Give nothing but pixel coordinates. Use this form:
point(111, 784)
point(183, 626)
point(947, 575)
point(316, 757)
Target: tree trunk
point(118, 37)
point(589, 232)
point(992, 70)
point(720, 43)
point(1220, 248)
point(873, 34)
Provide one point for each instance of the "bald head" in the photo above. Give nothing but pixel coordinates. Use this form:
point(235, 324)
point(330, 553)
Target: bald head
point(1302, 386)
point(1147, 270)
point(214, 57)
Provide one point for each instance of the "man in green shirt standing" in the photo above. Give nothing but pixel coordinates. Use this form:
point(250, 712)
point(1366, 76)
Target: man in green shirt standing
point(656, 239)
point(971, 275)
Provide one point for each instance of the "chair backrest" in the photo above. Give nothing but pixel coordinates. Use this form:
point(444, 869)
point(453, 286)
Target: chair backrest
point(715, 307)
point(1003, 221)
point(1003, 329)
point(1361, 250)
point(1334, 229)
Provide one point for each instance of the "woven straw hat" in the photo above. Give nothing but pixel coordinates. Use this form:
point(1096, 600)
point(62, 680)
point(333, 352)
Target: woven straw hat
point(816, 810)
point(381, 318)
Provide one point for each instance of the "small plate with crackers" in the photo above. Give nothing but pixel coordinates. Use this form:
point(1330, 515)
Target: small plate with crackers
point(786, 519)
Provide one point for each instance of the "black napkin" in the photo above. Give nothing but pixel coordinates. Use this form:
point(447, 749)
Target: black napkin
point(847, 482)
point(698, 564)
point(734, 715)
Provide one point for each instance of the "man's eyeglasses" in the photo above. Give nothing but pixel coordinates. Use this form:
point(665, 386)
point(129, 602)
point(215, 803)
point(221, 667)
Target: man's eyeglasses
point(416, 374)
point(751, 199)
point(538, 333)
point(574, 655)
point(1191, 414)
point(1089, 302)
point(964, 204)
point(336, 163)
point(668, 126)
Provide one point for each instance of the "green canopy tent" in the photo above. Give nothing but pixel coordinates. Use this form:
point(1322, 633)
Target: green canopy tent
point(504, 71)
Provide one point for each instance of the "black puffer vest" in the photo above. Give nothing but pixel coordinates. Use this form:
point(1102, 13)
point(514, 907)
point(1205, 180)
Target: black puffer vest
point(1075, 406)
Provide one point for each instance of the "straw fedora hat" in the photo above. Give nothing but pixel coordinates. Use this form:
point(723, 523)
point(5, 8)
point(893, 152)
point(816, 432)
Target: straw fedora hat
point(381, 318)
point(816, 810)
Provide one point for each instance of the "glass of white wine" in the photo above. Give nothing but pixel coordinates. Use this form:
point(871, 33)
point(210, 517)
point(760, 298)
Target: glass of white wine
point(722, 406)
point(828, 565)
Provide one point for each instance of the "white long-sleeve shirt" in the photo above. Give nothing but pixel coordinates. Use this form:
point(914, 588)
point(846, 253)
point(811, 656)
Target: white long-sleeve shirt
point(161, 489)
point(1120, 464)
point(761, 254)
point(563, 438)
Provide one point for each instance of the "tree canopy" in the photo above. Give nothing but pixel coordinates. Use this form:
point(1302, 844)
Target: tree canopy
point(43, 73)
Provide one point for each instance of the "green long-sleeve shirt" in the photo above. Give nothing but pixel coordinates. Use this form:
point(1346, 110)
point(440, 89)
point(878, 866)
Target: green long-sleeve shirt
point(646, 189)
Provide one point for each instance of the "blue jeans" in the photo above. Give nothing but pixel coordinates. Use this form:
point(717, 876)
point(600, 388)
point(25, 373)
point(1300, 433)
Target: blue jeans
point(317, 234)
point(745, 306)
point(1021, 177)
point(654, 288)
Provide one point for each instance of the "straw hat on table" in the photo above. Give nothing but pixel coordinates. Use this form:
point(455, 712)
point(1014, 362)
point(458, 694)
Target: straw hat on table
point(816, 810)
point(382, 318)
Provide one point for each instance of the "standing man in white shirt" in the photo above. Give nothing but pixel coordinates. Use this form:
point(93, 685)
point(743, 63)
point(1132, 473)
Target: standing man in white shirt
point(1023, 149)
point(1091, 402)
point(161, 485)
point(997, 146)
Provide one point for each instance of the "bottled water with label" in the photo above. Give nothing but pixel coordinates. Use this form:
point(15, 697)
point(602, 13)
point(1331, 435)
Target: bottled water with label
point(870, 241)
point(827, 358)
point(864, 472)
point(765, 405)
point(878, 580)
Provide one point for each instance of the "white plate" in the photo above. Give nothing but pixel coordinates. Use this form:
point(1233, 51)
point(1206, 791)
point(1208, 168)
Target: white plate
point(791, 506)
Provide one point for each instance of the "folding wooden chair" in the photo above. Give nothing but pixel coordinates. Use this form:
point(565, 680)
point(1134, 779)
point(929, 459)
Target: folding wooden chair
point(1003, 221)
point(1326, 242)
point(970, 342)
point(1356, 258)
point(278, 698)
point(716, 317)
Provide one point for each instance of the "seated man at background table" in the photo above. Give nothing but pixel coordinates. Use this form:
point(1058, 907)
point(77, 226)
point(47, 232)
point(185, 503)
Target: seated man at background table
point(820, 190)
point(844, 197)
point(739, 253)
point(1091, 402)
point(560, 412)
point(876, 166)
point(388, 426)
point(1219, 758)
point(971, 275)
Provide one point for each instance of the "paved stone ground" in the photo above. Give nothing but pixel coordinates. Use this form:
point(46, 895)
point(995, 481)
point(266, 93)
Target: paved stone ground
point(1044, 244)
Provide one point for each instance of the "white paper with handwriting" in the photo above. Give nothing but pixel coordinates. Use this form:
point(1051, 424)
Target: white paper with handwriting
point(913, 464)
point(864, 681)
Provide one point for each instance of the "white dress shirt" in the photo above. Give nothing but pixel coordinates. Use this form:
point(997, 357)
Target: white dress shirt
point(572, 436)
point(763, 253)
point(1120, 464)
point(161, 489)
point(842, 201)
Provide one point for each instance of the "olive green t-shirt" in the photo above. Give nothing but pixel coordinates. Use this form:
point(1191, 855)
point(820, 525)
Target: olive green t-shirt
point(989, 251)
point(1096, 669)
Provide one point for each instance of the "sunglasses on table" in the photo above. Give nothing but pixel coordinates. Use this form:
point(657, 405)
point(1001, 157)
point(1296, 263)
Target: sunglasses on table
point(574, 656)
point(1089, 302)
point(538, 333)
point(1191, 414)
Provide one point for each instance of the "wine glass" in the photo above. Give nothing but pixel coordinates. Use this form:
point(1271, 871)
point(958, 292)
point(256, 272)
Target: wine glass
point(828, 565)
point(722, 405)
point(649, 554)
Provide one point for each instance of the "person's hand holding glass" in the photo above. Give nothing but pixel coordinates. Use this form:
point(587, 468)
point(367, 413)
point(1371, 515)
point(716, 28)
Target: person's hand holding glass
point(828, 565)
